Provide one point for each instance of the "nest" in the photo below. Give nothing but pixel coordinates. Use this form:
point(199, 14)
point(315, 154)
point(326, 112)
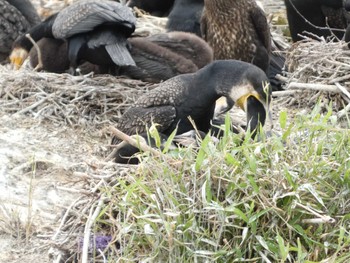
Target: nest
point(318, 70)
point(66, 98)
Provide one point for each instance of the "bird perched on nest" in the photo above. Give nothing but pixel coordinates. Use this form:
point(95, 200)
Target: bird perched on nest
point(186, 16)
point(16, 17)
point(96, 31)
point(157, 58)
point(237, 29)
point(320, 18)
point(194, 95)
point(187, 45)
point(54, 58)
point(163, 56)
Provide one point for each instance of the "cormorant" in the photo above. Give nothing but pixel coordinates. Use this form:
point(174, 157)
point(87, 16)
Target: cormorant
point(163, 56)
point(157, 58)
point(321, 18)
point(155, 63)
point(194, 95)
point(96, 31)
point(186, 16)
point(237, 29)
point(186, 44)
point(154, 7)
point(54, 58)
point(16, 17)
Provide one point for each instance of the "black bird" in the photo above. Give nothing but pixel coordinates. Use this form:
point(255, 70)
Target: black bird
point(16, 17)
point(186, 44)
point(154, 7)
point(157, 58)
point(96, 31)
point(194, 95)
point(155, 63)
point(323, 18)
point(163, 56)
point(186, 16)
point(237, 29)
point(54, 58)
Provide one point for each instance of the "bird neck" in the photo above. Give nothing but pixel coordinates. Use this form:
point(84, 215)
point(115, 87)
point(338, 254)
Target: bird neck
point(37, 32)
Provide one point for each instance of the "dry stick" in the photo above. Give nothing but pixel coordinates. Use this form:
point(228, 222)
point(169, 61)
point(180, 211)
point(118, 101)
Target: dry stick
point(40, 59)
point(283, 93)
point(33, 106)
point(124, 137)
point(87, 230)
point(313, 86)
point(63, 220)
point(344, 111)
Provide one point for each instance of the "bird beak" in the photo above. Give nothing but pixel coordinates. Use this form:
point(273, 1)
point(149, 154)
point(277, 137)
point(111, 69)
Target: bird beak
point(256, 114)
point(17, 57)
point(242, 101)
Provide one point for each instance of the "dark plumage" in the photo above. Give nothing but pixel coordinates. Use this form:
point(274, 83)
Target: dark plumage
point(54, 58)
point(237, 29)
point(163, 56)
point(96, 31)
point(316, 17)
point(154, 7)
point(187, 45)
point(53, 55)
point(16, 17)
point(185, 16)
point(155, 63)
point(194, 95)
point(157, 58)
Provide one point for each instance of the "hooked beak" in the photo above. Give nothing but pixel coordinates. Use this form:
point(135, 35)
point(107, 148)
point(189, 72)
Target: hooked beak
point(17, 57)
point(256, 115)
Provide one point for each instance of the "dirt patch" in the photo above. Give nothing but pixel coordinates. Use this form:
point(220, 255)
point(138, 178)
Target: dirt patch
point(38, 161)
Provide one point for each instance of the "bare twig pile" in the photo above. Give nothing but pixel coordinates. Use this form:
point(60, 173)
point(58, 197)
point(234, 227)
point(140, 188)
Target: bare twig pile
point(63, 97)
point(318, 68)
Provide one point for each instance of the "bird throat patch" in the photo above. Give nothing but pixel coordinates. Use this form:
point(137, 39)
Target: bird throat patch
point(241, 102)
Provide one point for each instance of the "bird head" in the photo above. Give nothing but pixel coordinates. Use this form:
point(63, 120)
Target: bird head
point(254, 101)
point(18, 56)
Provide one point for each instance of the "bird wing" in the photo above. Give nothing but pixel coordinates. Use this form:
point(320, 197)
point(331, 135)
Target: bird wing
point(137, 120)
point(167, 93)
point(115, 44)
point(84, 16)
point(261, 26)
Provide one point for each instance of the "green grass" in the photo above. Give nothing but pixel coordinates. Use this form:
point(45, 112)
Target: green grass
point(239, 202)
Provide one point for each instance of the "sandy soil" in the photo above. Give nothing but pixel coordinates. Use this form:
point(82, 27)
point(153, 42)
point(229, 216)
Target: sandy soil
point(37, 162)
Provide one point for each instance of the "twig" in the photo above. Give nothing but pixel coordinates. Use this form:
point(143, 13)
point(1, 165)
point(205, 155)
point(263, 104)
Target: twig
point(87, 231)
point(313, 86)
point(40, 60)
point(342, 89)
point(133, 142)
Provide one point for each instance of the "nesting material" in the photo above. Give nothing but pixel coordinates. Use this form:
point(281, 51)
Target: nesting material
point(66, 98)
point(318, 70)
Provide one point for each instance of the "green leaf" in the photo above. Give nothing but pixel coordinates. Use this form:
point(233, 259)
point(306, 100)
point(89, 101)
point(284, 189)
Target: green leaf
point(283, 119)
